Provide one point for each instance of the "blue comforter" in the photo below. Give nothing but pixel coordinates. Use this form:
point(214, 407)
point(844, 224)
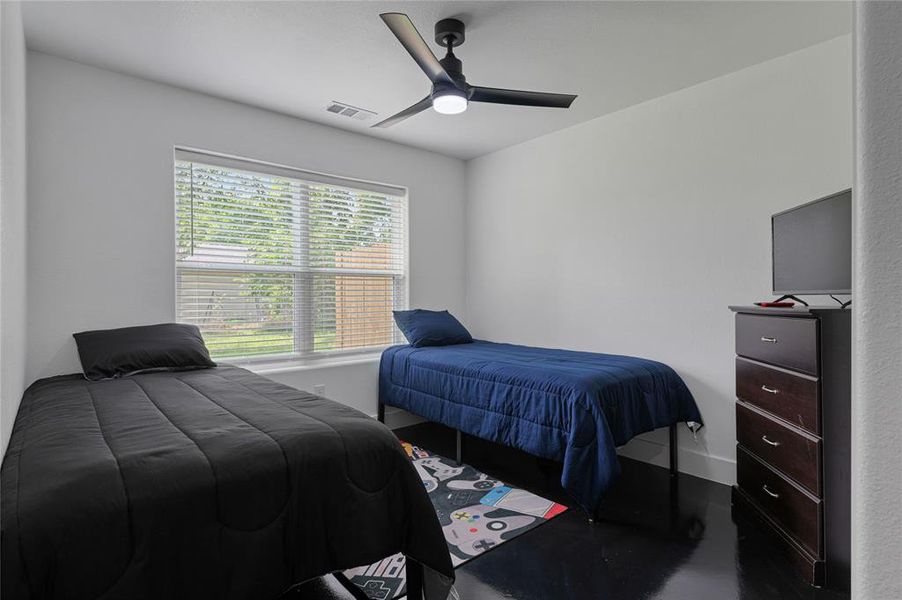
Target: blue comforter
point(573, 407)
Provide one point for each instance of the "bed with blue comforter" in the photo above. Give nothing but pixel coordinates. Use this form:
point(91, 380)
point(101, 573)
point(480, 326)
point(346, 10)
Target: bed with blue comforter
point(572, 407)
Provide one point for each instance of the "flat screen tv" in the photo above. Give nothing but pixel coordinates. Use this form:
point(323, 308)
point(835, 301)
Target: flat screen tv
point(812, 247)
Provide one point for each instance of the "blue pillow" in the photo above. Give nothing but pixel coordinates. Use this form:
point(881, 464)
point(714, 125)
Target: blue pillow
point(431, 328)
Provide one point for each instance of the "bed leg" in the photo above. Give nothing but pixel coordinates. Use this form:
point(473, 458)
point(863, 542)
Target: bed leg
point(460, 458)
point(414, 580)
point(674, 470)
point(380, 413)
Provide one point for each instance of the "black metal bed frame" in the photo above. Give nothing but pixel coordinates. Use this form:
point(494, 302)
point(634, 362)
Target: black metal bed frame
point(674, 468)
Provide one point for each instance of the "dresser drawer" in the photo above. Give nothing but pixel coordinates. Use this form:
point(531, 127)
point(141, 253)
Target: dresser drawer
point(789, 505)
point(789, 342)
point(789, 396)
point(790, 451)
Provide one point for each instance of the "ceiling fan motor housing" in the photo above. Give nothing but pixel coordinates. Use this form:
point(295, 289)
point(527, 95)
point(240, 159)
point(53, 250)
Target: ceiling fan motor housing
point(450, 33)
point(443, 89)
point(454, 67)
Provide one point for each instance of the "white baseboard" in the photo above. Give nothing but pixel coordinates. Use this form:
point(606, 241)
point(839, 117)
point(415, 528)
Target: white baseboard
point(691, 462)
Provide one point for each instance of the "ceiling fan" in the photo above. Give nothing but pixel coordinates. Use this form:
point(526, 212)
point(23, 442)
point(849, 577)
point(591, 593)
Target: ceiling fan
point(450, 91)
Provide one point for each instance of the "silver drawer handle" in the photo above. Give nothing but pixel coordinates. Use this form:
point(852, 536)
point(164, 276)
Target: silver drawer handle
point(767, 441)
point(770, 493)
point(770, 390)
point(769, 340)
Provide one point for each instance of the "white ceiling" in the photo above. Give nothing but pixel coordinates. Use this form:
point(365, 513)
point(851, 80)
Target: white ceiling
point(295, 57)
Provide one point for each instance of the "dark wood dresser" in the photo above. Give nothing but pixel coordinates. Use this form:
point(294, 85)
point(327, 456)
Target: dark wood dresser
point(793, 433)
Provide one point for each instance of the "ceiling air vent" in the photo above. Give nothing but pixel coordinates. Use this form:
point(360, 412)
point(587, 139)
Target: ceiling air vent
point(346, 110)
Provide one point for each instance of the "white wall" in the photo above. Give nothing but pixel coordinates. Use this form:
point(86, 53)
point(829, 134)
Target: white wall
point(632, 233)
point(877, 330)
point(101, 245)
point(12, 216)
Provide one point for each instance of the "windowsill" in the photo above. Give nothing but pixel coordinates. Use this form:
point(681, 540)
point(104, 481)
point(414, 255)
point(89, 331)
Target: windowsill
point(290, 366)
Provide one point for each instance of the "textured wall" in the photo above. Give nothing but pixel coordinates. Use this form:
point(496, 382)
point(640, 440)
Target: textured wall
point(877, 407)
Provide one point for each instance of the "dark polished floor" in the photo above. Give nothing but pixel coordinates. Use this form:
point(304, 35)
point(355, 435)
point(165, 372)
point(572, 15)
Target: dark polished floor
point(646, 546)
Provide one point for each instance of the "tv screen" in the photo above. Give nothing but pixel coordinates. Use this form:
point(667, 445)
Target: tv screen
point(812, 247)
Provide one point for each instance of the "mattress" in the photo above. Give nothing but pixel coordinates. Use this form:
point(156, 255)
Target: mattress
point(573, 407)
point(214, 483)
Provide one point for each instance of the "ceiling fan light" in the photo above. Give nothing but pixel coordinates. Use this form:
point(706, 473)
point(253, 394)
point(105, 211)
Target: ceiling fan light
point(449, 103)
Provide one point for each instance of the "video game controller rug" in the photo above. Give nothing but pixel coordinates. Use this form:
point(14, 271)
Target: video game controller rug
point(476, 512)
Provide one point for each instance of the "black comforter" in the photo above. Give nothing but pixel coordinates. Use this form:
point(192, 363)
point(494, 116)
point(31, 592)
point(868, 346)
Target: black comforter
point(216, 483)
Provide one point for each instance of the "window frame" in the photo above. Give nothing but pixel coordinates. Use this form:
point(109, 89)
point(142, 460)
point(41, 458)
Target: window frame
point(303, 330)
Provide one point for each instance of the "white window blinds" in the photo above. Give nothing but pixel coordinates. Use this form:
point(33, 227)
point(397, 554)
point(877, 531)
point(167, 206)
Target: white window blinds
point(273, 262)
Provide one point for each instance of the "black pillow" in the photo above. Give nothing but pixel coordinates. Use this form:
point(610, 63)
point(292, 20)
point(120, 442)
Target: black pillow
point(111, 353)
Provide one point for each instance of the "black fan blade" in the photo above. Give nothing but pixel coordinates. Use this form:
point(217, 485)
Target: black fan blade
point(521, 97)
point(410, 38)
point(407, 112)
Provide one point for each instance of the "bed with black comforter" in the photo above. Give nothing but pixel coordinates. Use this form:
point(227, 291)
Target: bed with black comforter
point(210, 483)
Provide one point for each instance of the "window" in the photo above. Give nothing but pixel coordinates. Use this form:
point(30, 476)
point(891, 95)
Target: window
point(274, 262)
